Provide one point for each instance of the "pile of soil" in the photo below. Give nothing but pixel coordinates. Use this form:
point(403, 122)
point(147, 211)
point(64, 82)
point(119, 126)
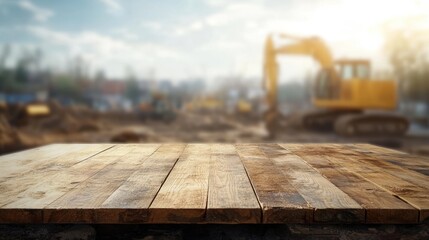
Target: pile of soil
point(10, 139)
point(67, 120)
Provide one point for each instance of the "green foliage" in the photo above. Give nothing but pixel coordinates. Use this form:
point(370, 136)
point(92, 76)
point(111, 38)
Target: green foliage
point(22, 73)
point(132, 91)
point(7, 82)
point(65, 85)
point(16, 79)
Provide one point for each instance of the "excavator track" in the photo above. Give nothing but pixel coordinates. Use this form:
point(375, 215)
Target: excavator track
point(371, 124)
point(320, 119)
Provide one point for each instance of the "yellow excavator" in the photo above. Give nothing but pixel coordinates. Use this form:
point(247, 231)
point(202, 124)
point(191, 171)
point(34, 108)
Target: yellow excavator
point(343, 92)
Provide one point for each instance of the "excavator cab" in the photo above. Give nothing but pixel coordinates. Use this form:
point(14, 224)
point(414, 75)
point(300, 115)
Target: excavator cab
point(330, 80)
point(350, 69)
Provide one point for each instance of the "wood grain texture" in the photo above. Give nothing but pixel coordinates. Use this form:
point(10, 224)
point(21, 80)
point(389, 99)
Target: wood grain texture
point(92, 192)
point(54, 157)
point(414, 195)
point(20, 189)
point(183, 196)
point(280, 201)
point(384, 162)
point(213, 183)
point(34, 154)
point(131, 201)
point(330, 203)
point(230, 198)
point(20, 178)
point(411, 162)
point(51, 187)
point(380, 206)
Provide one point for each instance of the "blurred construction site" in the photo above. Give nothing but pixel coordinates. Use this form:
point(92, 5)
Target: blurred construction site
point(336, 92)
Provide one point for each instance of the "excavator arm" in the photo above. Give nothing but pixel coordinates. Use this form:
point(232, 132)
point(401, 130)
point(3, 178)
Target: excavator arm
point(313, 47)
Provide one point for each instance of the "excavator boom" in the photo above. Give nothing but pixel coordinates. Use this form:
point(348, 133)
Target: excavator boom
point(313, 47)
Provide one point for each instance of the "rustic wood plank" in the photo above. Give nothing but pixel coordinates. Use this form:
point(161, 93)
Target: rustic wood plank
point(18, 177)
point(408, 161)
point(30, 169)
point(280, 201)
point(331, 204)
point(381, 160)
point(18, 172)
point(231, 198)
point(29, 155)
point(414, 195)
point(183, 196)
point(20, 216)
point(380, 206)
point(378, 149)
point(131, 201)
point(22, 182)
point(91, 193)
point(22, 163)
point(51, 187)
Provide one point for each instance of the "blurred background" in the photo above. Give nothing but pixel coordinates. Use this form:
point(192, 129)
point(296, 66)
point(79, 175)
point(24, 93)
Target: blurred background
point(214, 71)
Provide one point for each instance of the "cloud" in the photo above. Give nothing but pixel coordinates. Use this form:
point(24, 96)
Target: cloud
point(125, 33)
point(216, 3)
point(39, 14)
point(154, 26)
point(111, 54)
point(228, 13)
point(113, 6)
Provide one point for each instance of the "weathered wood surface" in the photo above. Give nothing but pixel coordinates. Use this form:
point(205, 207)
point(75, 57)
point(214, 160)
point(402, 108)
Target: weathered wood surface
point(380, 206)
point(330, 203)
point(213, 183)
point(183, 196)
point(280, 201)
point(230, 198)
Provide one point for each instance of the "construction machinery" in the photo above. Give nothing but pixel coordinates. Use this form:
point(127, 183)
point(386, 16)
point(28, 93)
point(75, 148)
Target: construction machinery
point(22, 113)
point(158, 107)
point(205, 104)
point(344, 93)
point(244, 107)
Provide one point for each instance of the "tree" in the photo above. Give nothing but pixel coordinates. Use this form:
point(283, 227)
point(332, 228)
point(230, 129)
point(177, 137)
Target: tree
point(78, 69)
point(6, 76)
point(63, 85)
point(132, 91)
point(22, 71)
point(100, 76)
point(27, 66)
point(408, 53)
point(5, 53)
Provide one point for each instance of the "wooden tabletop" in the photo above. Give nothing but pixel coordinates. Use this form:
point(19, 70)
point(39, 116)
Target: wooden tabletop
point(213, 183)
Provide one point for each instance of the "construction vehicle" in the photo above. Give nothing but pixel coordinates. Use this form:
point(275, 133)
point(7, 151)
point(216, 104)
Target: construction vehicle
point(343, 92)
point(244, 107)
point(158, 107)
point(21, 114)
point(205, 104)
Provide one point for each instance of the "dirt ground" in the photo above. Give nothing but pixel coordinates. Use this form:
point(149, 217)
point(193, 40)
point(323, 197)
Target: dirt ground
point(83, 125)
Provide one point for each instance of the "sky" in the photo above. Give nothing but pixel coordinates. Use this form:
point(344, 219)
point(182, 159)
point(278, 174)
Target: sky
point(181, 39)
